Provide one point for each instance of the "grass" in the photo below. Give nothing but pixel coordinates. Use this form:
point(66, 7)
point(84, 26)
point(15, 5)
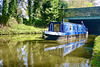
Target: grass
point(96, 57)
point(15, 28)
point(22, 29)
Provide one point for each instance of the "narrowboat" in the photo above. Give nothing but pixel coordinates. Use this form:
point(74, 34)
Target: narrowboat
point(65, 30)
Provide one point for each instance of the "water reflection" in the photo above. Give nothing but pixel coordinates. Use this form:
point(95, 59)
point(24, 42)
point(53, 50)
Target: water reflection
point(69, 47)
point(42, 53)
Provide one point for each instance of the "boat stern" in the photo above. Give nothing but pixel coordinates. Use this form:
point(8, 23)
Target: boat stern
point(52, 35)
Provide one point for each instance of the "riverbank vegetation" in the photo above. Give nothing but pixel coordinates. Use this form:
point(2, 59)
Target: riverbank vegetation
point(14, 28)
point(37, 14)
point(96, 55)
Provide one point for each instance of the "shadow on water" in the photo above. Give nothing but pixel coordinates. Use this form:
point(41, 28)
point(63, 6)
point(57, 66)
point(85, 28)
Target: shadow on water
point(33, 51)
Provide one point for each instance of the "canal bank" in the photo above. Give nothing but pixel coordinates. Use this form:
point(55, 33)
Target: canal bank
point(21, 29)
point(32, 50)
point(13, 27)
point(96, 55)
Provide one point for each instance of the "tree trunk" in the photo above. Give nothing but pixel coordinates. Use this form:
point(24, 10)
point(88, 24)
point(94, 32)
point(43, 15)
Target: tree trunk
point(4, 12)
point(30, 11)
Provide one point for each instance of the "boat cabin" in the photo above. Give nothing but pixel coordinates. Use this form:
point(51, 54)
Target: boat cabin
point(67, 28)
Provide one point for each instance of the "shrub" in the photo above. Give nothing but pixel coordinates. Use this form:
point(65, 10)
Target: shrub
point(20, 20)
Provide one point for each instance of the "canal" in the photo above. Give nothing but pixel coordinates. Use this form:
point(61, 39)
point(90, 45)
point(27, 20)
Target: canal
point(33, 51)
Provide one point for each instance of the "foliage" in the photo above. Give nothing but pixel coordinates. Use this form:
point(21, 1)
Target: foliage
point(49, 11)
point(96, 57)
point(92, 1)
point(40, 12)
point(15, 28)
point(81, 3)
point(19, 19)
point(4, 11)
point(22, 29)
point(64, 4)
point(36, 9)
point(9, 9)
point(5, 7)
point(30, 11)
point(22, 9)
point(37, 23)
point(97, 43)
point(44, 11)
point(12, 10)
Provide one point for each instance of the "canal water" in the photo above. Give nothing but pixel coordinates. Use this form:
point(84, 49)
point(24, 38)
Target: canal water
point(33, 51)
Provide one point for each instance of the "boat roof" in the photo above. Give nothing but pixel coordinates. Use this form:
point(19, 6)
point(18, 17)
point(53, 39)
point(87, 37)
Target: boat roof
point(66, 23)
point(71, 23)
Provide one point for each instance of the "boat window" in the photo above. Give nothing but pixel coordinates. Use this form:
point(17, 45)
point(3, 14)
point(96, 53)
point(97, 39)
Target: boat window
point(79, 28)
point(56, 27)
point(70, 47)
point(75, 28)
point(70, 27)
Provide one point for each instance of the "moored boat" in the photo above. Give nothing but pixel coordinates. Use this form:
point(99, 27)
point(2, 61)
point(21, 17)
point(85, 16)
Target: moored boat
point(65, 30)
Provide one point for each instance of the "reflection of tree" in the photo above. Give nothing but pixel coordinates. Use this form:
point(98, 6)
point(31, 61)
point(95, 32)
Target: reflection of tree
point(16, 53)
point(16, 38)
point(31, 53)
point(9, 56)
point(37, 56)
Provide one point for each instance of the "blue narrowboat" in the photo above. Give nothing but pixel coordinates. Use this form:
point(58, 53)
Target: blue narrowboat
point(59, 30)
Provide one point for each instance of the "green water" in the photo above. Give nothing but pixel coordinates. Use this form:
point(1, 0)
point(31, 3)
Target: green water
point(33, 51)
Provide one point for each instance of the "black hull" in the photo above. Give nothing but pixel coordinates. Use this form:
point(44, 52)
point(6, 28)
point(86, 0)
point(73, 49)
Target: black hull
point(63, 37)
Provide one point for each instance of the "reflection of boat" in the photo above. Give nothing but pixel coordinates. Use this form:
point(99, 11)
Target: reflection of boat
point(64, 30)
point(67, 48)
point(31, 53)
point(72, 46)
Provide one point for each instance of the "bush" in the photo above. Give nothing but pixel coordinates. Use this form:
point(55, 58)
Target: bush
point(20, 20)
point(38, 23)
point(96, 57)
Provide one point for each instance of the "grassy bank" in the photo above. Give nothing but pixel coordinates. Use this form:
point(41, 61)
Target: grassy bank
point(21, 29)
point(96, 56)
point(15, 27)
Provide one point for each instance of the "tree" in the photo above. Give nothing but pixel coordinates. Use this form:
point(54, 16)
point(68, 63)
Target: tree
point(63, 3)
point(4, 11)
point(81, 3)
point(12, 10)
point(30, 11)
point(35, 7)
point(9, 11)
point(92, 1)
point(22, 9)
point(49, 11)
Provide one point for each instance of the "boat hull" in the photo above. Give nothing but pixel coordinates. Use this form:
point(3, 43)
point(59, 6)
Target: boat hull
point(63, 37)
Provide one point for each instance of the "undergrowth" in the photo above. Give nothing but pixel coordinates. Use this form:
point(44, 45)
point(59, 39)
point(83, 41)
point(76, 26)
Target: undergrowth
point(22, 29)
point(14, 28)
point(96, 56)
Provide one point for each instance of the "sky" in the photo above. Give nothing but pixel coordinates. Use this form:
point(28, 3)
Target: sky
point(97, 2)
point(1, 2)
